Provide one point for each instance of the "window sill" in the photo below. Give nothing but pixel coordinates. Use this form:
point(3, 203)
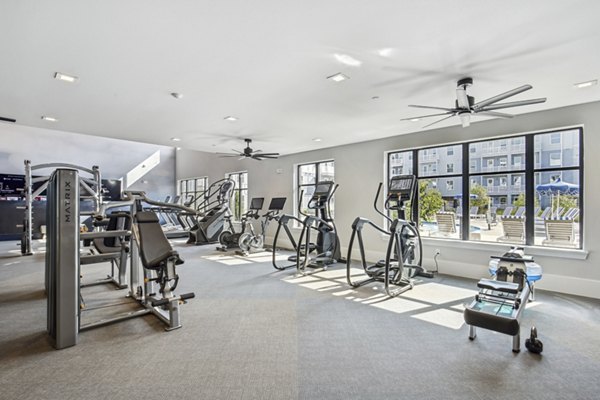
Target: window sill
point(572, 254)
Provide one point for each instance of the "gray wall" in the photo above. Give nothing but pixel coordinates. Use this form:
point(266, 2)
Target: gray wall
point(360, 167)
point(114, 157)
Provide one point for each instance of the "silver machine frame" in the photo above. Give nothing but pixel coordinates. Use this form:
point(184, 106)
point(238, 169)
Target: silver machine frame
point(63, 262)
point(91, 185)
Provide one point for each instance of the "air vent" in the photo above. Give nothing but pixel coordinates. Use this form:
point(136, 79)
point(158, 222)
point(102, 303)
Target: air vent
point(8, 119)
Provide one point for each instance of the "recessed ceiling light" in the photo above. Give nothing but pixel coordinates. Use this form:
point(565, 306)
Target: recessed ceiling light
point(317, 139)
point(338, 77)
point(51, 119)
point(347, 60)
point(415, 120)
point(65, 77)
point(582, 85)
point(375, 98)
point(177, 95)
point(177, 148)
point(230, 118)
point(385, 52)
point(176, 139)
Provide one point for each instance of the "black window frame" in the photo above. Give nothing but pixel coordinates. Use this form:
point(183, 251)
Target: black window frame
point(236, 208)
point(302, 187)
point(195, 193)
point(528, 172)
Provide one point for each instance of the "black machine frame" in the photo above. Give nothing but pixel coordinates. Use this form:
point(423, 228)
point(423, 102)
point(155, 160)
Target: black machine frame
point(404, 255)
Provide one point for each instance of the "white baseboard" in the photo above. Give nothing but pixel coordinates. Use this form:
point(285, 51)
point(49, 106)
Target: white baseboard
point(551, 282)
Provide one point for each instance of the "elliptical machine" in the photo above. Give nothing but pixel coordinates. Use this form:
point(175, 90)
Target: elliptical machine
point(327, 246)
point(404, 255)
point(230, 239)
point(207, 227)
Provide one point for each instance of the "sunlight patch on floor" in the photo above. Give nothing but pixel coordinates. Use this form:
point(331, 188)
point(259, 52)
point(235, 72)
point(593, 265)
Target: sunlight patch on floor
point(448, 318)
point(301, 279)
point(319, 285)
point(399, 305)
point(437, 293)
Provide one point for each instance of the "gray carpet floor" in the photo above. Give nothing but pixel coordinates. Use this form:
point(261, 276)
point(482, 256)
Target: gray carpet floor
point(255, 333)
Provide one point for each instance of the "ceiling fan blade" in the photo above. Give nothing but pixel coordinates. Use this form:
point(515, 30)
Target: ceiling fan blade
point(433, 108)
point(461, 98)
point(439, 120)
point(426, 116)
point(267, 154)
point(502, 96)
point(237, 151)
point(512, 104)
point(270, 157)
point(494, 114)
point(227, 155)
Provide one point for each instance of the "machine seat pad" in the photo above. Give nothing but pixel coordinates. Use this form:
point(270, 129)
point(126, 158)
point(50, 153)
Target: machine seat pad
point(154, 245)
point(501, 286)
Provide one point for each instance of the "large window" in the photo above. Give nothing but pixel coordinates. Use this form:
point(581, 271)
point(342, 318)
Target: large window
point(191, 191)
point(524, 189)
point(239, 197)
point(310, 174)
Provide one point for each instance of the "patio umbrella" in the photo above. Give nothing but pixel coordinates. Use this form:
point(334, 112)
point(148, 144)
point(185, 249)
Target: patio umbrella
point(557, 188)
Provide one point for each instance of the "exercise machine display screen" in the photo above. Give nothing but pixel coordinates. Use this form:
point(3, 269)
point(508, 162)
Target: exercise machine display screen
point(323, 189)
point(257, 203)
point(404, 183)
point(277, 203)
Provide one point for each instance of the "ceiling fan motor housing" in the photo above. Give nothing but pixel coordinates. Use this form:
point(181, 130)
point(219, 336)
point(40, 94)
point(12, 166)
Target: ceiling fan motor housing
point(465, 82)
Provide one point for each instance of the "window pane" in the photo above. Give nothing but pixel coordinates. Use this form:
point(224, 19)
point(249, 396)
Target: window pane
point(400, 164)
point(307, 174)
point(326, 171)
point(244, 201)
point(497, 155)
point(492, 200)
point(244, 180)
point(439, 207)
point(557, 222)
point(440, 161)
point(557, 149)
point(307, 192)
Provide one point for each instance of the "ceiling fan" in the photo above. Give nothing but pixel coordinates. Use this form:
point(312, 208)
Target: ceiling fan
point(249, 153)
point(465, 105)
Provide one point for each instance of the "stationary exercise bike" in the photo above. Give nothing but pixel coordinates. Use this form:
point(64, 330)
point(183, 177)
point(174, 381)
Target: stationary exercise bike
point(230, 239)
point(403, 258)
point(251, 242)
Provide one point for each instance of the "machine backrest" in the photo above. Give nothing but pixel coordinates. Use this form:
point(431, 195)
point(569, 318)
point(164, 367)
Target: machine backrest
point(154, 246)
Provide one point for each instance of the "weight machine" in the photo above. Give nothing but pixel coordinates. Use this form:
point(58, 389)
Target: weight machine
point(152, 271)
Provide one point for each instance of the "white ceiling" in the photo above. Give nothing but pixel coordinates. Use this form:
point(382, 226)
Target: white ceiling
point(266, 61)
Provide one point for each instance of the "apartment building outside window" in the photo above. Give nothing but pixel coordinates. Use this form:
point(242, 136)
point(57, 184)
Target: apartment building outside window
point(518, 176)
